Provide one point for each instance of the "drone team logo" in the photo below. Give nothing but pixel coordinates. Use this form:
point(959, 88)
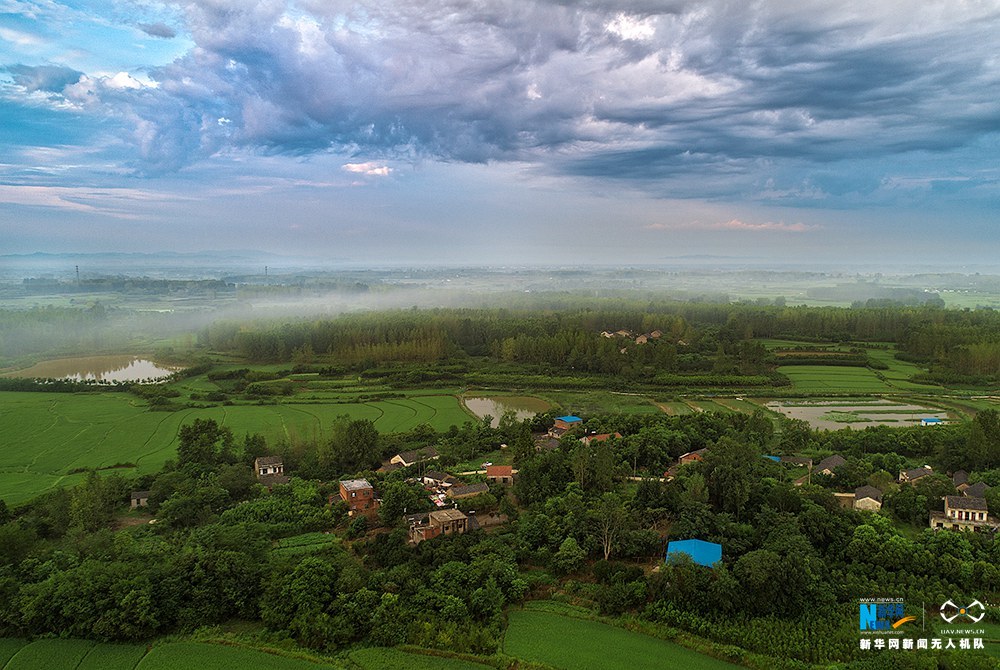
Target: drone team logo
point(882, 616)
point(974, 612)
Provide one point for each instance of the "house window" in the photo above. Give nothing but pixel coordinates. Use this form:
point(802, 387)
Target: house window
point(354, 494)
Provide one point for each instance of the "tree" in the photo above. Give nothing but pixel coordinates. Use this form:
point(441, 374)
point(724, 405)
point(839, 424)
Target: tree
point(569, 558)
point(204, 443)
point(611, 521)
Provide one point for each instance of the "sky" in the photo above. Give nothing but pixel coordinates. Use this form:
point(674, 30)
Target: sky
point(504, 131)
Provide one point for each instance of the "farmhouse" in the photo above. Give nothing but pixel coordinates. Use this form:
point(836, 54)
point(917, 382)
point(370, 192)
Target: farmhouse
point(600, 437)
point(437, 479)
point(692, 456)
point(964, 513)
point(829, 464)
point(911, 476)
point(960, 479)
point(408, 458)
point(563, 424)
point(931, 421)
point(360, 497)
point(867, 498)
point(500, 474)
point(140, 499)
point(268, 465)
point(977, 490)
point(701, 552)
point(439, 522)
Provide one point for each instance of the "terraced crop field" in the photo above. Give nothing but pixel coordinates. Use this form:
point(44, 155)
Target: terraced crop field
point(47, 435)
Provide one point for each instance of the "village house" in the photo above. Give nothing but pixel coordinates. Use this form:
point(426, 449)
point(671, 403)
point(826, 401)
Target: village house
point(964, 513)
point(500, 474)
point(408, 458)
point(977, 490)
point(470, 491)
point(600, 437)
point(692, 456)
point(546, 443)
point(829, 464)
point(867, 498)
point(960, 479)
point(563, 424)
point(360, 497)
point(912, 476)
point(268, 465)
point(845, 500)
point(439, 522)
point(140, 499)
point(437, 479)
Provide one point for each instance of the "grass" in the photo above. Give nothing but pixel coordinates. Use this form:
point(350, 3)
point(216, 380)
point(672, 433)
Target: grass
point(207, 656)
point(50, 434)
point(579, 644)
point(378, 658)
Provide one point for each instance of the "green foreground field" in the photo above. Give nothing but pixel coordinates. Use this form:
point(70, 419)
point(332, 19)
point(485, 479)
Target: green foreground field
point(58, 654)
point(578, 644)
point(48, 435)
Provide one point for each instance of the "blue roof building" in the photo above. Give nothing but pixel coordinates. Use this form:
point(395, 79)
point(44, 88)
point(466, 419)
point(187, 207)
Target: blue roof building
point(569, 419)
point(776, 459)
point(700, 551)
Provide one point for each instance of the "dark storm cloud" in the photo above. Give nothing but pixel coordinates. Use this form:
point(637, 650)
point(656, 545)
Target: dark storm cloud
point(47, 78)
point(642, 90)
point(158, 30)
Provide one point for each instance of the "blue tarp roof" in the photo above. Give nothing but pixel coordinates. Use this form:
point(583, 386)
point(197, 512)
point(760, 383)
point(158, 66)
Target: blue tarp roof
point(569, 419)
point(931, 419)
point(776, 459)
point(701, 552)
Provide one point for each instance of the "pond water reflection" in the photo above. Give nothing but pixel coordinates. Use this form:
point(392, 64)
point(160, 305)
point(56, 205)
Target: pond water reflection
point(524, 407)
point(106, 369)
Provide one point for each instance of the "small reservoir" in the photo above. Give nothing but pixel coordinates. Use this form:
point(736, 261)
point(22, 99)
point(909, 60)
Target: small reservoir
point(102, 369)
point(524, 407)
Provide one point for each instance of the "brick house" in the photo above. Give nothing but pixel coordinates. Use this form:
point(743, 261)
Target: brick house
point(360, 497)
point(439, 522)
point(500, 474)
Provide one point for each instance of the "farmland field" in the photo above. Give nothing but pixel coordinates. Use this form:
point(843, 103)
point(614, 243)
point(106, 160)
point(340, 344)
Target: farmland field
point(51, 654)
point(833, 379)
point(577, 644)
point(378, 658)
point(47, 435)
point(59, 654)
point(205, 656)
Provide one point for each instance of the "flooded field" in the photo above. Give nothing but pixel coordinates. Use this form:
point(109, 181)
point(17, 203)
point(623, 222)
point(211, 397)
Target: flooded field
point(98, 368)
point(837, 414)
point(524, 407)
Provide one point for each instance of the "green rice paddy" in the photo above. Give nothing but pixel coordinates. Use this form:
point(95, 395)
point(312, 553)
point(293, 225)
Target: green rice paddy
point(378, 658)
point(579, 644)
point(48, 435)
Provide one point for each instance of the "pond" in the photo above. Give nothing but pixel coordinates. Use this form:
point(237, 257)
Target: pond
point(834, 414)
point(105, 369)
point(524, 407)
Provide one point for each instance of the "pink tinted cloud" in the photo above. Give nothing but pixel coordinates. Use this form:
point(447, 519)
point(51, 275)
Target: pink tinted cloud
point(736, 224)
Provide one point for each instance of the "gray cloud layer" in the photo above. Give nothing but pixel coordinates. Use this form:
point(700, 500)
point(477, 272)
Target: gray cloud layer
point(640, 90)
